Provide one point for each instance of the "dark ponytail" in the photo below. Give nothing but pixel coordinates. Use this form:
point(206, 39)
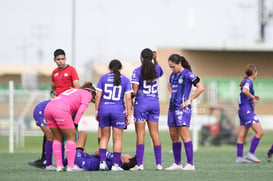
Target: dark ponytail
point(115, 65)
point(148, 71)
point(185, 63)
point(175, 58)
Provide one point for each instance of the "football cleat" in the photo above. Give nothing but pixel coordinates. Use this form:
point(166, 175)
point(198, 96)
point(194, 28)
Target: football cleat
point(38, 164)
point(59, 169)
point(137, 168)
point(189, 167)
point(159, 167)
point(240, 160)
point(252, 158)
point(174, 166)
point(76, 168)
point(103, 166)
point(115, 167)
point(50, 167)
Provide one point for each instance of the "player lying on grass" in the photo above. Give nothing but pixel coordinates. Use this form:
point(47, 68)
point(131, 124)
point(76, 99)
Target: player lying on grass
point(91, 162)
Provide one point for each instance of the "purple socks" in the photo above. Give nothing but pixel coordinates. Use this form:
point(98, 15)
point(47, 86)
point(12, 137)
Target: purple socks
point(48, 152)
point(189, 152)
point(102, 154)
point(177, 146)
point(157, 153)
point(116, 157)
point(139, 154)
point(254, 144)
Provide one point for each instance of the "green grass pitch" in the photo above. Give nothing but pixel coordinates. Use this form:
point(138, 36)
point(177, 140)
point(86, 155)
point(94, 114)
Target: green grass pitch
point(211, 162)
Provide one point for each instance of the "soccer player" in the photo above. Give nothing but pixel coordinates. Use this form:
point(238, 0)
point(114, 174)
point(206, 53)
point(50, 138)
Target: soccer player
point(269, 154)
point(248, 119)
point(91, 162)
point(38, 115)
point(179, 114)
point(58, 114)
point(146, 108)
point(112, 88)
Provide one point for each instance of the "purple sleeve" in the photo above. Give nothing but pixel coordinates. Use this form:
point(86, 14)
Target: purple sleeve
point(159, 71)
point(135, 77)
point(190, 76)
point(128, 86)
point(100, 84)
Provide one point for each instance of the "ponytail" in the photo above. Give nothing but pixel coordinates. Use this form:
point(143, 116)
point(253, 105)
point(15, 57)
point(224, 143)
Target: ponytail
point(115, 65)
point(185, 63)
point(148, 71)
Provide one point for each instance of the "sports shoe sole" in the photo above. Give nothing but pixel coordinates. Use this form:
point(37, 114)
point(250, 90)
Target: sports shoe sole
point(36, 166)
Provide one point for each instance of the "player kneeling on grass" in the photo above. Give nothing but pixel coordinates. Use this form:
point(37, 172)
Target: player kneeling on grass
point(91, 162)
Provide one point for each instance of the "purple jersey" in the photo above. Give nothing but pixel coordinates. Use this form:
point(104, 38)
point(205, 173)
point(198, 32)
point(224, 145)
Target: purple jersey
point(246, 102)
point(181, 84)
point(38, 113)
point(146, 90)
point(113, 96)
point(146, 102)
point(246, 109)
point(92, 162)
point(111, 108)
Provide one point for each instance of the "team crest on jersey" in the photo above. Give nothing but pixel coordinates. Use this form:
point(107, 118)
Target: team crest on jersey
point(56, 74)
point(66, 74)
point(180, 80)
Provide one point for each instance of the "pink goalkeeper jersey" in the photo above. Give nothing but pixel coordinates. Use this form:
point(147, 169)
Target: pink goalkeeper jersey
point(72, 101)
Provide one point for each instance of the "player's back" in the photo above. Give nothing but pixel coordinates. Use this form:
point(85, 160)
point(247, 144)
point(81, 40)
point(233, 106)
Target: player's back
point(147, 90)
point(112, 95)
point(70, 100)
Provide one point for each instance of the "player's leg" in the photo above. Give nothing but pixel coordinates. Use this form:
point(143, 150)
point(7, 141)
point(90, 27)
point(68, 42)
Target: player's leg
point(176, 149)
point(117, 139)
point(105, 136)
point(57, 147)
point(240, 144)
point(40, 121)
point(184, 132)
point(140, 133)
point(176, 143)
point(99, 135)
point(70, 135)
point(255, 142)
point(153, 130)
point(48, 147)
point(82, 139)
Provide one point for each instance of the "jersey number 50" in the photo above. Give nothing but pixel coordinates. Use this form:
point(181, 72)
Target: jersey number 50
point(112, 92)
